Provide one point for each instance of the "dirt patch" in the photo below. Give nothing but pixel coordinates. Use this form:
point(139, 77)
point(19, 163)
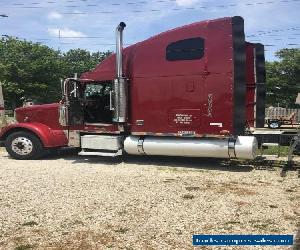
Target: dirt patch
point(75, 202)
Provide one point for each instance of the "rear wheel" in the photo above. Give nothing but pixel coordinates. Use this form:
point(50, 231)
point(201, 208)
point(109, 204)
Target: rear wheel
point(23, 146)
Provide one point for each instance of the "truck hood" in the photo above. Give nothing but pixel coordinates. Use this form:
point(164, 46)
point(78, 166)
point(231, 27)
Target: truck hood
point(46, 114)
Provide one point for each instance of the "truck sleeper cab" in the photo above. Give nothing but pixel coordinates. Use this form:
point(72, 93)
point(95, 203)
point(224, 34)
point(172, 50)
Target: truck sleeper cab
point(191, 91)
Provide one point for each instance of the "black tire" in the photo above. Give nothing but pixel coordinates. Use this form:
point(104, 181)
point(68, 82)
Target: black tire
point(23, 146)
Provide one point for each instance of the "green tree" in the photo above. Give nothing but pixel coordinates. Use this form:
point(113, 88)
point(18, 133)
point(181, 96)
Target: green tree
point(80, 60)
point(29, 70)
point(283, 78)
point(32, 70)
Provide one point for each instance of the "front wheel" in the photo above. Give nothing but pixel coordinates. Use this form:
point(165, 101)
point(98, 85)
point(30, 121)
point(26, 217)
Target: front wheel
point(23, 146)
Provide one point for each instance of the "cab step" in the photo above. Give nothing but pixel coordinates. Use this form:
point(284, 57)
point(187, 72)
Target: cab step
point(101, 153)
point(101, 145)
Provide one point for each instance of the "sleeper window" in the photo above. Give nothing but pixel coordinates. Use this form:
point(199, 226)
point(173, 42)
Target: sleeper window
point(187, 49)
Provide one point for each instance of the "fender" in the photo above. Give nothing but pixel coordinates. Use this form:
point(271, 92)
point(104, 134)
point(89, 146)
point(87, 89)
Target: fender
point(49, 137)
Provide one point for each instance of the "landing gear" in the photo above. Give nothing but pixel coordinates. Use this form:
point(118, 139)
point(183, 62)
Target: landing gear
point(23, 146)
point(290, 165)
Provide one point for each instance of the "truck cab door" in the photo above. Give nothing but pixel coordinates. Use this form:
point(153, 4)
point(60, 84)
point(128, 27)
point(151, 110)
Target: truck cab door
point(71, 112)
point(75, 113)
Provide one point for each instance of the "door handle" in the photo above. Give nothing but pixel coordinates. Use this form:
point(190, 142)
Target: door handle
point(110, 101)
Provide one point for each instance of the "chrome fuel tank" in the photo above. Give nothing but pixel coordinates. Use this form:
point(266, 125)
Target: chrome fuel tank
point(243, 147)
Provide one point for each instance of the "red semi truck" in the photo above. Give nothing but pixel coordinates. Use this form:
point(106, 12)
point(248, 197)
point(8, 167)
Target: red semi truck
point(191, 91)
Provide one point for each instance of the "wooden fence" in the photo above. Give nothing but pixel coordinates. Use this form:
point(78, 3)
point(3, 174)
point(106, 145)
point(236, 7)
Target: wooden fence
point(282, 112)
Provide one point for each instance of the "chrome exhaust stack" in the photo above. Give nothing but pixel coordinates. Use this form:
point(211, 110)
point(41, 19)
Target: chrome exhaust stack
point(119, 49)
point(119, 94)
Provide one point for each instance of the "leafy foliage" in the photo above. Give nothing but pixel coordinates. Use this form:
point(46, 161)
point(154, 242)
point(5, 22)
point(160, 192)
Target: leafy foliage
point(283, 78)
point(28, 70)
point(79, 60)
point(32, 70)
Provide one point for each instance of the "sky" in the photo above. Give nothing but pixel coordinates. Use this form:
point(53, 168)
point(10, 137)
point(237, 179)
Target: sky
point(90, 24)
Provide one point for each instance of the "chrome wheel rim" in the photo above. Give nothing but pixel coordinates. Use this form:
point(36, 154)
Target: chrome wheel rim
point(22, 146)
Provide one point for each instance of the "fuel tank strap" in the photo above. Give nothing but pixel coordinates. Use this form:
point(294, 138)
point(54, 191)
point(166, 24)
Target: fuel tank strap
point(231, 148)
point(140, 147)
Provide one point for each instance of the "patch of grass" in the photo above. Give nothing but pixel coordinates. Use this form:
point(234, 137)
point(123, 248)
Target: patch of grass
point(24, 247)
point(284, 150)
point(290, 217)
point(229, 225)
point(30, 223)
point(273, 206)
point(86, 239)
point(292, 198)
point(290, 190)
point(244, 191)
point(232, 222)
point(78, 222)
point(296, 212)
point(234, 188)
point(121, 230)
point(122, 212)
point(188, 196)
point(169, 180)
point(263, 225)
point(264, 182)
point(192, 188)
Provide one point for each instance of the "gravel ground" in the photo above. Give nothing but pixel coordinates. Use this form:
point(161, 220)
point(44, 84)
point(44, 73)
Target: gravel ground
point(72, 202)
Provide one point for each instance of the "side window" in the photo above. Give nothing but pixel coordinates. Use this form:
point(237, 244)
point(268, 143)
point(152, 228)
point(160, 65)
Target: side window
point(187, 49)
